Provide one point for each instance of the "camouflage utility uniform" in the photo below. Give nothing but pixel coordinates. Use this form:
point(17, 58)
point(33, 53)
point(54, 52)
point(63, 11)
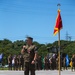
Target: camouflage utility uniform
point(29, 53)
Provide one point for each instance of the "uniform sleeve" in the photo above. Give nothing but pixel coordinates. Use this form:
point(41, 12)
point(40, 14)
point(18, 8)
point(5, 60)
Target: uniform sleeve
point(35, 49)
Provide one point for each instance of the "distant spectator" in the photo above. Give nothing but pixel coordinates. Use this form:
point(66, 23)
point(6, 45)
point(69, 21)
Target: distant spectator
point(73, 61)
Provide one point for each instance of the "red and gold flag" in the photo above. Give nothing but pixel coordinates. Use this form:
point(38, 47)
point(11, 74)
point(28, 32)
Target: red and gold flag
point(58, 24)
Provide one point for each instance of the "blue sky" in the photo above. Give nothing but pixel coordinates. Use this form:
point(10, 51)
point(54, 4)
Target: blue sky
point(35, 18)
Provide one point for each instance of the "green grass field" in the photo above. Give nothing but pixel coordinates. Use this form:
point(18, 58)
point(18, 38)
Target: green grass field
point(1, 68)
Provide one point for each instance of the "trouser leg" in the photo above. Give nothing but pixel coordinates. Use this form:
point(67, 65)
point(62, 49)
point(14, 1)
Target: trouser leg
point(26, 69)
point(32, 69)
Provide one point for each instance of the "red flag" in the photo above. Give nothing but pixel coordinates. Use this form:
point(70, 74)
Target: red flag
point(58, 25)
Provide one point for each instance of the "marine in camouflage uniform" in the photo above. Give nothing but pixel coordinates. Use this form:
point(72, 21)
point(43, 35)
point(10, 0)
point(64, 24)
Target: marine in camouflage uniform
point(29, 53)
point(10, 62)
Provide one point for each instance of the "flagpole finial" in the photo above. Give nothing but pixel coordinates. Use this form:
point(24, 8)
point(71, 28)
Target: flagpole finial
point(58, 5)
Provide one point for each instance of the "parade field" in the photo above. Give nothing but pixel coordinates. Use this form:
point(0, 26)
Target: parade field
point(43, 72)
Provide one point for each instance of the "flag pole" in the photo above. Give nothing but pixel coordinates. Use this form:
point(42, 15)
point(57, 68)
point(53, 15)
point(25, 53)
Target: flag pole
point(59, 46)
point(59, 52)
